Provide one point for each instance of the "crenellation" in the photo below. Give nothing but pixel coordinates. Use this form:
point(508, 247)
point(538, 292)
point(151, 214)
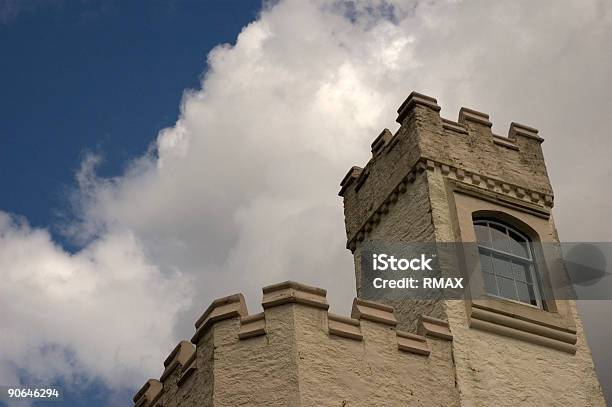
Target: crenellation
point(390, 146)
point(178, 367)
point(504, 142)
point(411, 101)
point(381, 141)
point(361, 179)
point(409, 342)
point(428, 142)
point(179, 357)
point(149, 394)
point(231, 306)
point(344, 327)
point(252, 325)
point(291, 311)
point(187, 369)
point(348, 179)
point(373, 311)
point(425, 183)
point(518, 130)
point(435, 327)
point(292, 292)
point(467, 115)
point(454, 126)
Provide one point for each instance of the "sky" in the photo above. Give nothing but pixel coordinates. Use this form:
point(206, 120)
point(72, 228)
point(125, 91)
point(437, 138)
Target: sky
point(157, 156)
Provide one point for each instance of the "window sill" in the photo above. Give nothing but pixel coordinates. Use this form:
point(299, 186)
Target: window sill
point(524, 322)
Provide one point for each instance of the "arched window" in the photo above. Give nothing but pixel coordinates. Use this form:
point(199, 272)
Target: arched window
point(506, 260)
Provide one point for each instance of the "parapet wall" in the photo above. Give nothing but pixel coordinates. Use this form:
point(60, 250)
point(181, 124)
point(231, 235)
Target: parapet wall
point(296, 353)
point(465, 149)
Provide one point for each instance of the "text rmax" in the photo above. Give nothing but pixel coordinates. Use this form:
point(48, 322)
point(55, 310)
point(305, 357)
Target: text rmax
point(428, 282)
point(385, 262)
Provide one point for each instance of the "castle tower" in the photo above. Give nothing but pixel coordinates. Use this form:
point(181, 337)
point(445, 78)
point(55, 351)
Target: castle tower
point(437, 180)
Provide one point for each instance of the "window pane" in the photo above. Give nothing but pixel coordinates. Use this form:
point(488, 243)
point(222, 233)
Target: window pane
point(506, 261)
point(502, 267)
point(482, 235)
point(489, 283)
point(518, 245)
point(500, 238)
point(523, 293)
point(506, 288)
point(485, 263)
point(521, 272)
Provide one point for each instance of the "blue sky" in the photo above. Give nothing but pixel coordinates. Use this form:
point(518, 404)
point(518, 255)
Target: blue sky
point(95, 76)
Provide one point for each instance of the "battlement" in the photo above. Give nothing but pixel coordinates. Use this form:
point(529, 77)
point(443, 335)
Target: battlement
point(295, 333)
point(465, 150)
point(425, 183)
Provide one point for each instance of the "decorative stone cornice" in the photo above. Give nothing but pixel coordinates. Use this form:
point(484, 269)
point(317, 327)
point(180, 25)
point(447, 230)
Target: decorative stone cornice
point(454, 126)
point(292, 292)
point(349, 178)
point(412, 100)
point(373, 311)
point(545, 335)
point(188, 369)
point(253, 325)
point(380, 325)
point(423, 137)
point(409, 342)
point(437, 328)
point(344, 327)
point(361, 179)
point(504, 142)
point(383, 138)
point(148, 394)
point(181, 354)
point(520, 130)
point(483, 186)
point(232, 306)
point(471, 115)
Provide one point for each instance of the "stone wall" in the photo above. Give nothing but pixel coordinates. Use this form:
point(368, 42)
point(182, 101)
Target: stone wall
point(519, 371)
point(422, 184)
point(297, 354)
point(408, 192)
point(408, 219)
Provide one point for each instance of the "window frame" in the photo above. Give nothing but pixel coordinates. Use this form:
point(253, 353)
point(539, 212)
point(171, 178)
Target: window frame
point(497, 315)
point(511, 257)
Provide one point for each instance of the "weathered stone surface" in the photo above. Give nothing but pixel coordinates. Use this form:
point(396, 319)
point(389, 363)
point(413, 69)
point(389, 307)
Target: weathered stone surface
point(421, 185)
point(530, 364)
point(412, 343)
point(307, 358)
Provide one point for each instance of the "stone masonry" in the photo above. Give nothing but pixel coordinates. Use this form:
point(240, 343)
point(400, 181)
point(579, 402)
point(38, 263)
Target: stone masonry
point(423, 184)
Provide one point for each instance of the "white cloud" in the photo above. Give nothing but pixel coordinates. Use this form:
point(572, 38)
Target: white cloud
point(242, 191)
point(105, 311)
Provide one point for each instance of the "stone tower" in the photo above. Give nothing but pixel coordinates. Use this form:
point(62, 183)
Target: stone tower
point(438, 180)
point(435, 180)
